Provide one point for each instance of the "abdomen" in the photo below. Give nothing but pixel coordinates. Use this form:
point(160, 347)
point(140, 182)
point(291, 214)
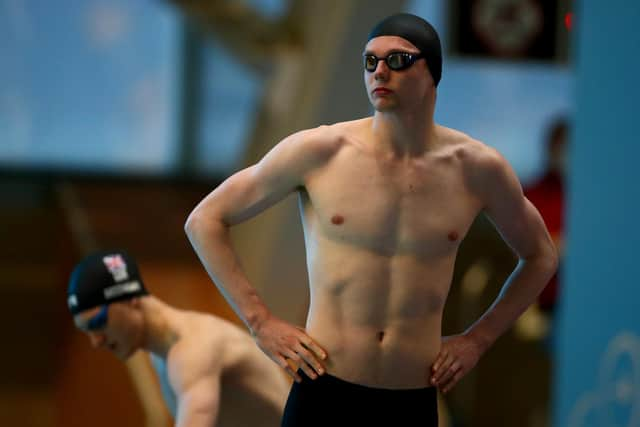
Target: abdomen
point(378, 317)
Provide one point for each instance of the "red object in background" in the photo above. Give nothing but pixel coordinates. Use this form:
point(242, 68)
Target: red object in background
point(568, 20)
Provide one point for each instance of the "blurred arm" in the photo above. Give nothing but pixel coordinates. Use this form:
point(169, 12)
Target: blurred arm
point(146, 385)
point(198, 404)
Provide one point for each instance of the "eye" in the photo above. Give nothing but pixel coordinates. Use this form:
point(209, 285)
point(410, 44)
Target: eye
point(397, 60)
point(370, 62)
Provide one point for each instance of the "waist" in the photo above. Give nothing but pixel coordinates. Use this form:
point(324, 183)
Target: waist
point(392, 357)
point(334, 382)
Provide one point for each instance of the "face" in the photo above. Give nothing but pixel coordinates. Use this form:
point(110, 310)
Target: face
point(390, 89)
point(117, 327)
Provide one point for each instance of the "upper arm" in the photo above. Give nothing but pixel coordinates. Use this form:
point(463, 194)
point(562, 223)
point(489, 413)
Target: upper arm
point(279, 173)
point(194, 376)
point(517, 220)
point(198, 403)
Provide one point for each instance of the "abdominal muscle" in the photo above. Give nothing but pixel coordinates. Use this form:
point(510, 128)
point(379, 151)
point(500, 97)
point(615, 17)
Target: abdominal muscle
point(378, 316)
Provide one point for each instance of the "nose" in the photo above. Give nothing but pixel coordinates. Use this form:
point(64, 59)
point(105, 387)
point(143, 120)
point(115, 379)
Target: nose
point(97, 340)
point(382, 71)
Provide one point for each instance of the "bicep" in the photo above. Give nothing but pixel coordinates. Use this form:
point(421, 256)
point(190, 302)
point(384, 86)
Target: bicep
point(198, 405)
point(249, 192)
point(254, 189)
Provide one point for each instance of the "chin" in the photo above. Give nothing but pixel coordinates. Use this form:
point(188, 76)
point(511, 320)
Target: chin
point(382, 103)
point(384, 107)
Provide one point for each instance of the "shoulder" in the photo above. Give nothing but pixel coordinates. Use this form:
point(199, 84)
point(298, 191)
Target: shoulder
point(470, 151)
point(478, 159)
point(325, 141)
point(198, 352)
point(484, 168)
point(306, 151)
point(314, 145)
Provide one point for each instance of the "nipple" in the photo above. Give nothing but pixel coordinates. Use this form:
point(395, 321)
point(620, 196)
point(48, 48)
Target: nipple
point(453, 236)
point(337, 219)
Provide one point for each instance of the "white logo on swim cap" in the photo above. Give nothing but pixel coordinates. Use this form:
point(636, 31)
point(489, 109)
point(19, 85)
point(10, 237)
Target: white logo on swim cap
point(116, 266)
point(121, 289)
point(72, 301)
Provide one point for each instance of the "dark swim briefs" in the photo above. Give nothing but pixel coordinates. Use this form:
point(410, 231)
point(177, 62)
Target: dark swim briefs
point(330, 401)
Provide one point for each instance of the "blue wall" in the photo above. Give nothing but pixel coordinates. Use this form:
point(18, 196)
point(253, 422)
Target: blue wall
point(598, 359)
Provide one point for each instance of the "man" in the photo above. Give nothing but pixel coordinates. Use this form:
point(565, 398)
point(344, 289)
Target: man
point(210, 371)
point(385, 202)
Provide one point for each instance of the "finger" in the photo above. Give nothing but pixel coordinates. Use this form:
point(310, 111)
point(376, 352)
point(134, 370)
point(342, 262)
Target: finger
point(453, 381)
point(310, 358)
point(300, 363)
point(439, 359)
point(443, 362)
point(284, 365)
point(293, 374)
point(314, 347)
point(442, 368)
point(449, 373)
point(307, 370)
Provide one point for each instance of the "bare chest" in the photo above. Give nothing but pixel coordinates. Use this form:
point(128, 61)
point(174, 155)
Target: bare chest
point(412, 207)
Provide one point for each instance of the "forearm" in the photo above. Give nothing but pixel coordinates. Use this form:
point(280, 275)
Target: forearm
point(145, 383)
point(211, 241)
point(521, 289)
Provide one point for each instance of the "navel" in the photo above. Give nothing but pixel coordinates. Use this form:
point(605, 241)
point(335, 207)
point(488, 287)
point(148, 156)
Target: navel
point(380, 336)
point(453, 236)
point(337, 219)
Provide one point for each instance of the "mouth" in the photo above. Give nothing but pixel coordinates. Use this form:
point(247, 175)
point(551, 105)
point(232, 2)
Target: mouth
point(382, 91)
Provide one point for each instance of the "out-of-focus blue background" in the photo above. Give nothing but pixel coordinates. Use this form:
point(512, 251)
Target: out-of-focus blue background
point(96, 85)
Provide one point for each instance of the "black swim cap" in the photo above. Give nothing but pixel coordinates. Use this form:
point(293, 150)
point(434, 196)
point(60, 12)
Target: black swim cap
point(102, 278)
point(419, 32)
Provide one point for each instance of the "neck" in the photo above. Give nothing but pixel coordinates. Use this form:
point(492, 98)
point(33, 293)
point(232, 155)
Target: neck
point(406, 133)
point(160, 327)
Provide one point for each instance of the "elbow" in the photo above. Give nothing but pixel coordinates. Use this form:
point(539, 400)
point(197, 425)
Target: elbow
point(192, 223)
point(554, 261)
point(545, 259)
point(200, 222)
point(550, 259)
